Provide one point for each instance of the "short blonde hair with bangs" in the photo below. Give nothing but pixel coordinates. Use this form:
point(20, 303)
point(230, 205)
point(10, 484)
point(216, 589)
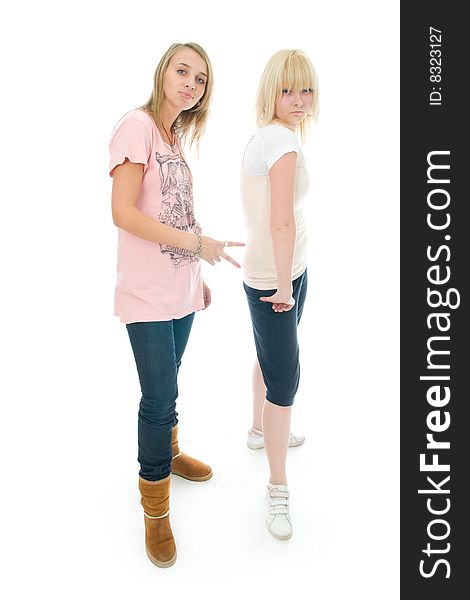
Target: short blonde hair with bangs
point(286, 69)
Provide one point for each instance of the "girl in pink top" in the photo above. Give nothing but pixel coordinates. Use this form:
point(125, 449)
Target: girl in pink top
point(159, 282)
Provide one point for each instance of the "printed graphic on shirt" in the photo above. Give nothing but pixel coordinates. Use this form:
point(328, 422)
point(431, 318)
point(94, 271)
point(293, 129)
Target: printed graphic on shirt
point(177, 204)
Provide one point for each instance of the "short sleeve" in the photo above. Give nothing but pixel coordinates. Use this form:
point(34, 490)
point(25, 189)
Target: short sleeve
point(132, 140)
point(277, 142)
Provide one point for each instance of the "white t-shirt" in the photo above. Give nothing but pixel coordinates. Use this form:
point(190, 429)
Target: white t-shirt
point(264, 149)
point(267, 146)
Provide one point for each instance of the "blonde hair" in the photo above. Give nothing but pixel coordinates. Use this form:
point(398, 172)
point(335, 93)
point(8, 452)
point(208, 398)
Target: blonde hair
point(189, 123)
point(286, 69)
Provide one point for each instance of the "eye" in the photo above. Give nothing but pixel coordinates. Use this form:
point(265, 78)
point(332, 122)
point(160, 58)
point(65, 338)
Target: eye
point(307, 91)
point(285, 92)
point(181, 71)
point(201, 81)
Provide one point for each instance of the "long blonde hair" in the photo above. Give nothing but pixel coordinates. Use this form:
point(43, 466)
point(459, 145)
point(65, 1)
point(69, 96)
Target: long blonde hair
point(190, 124)
point(289, 69)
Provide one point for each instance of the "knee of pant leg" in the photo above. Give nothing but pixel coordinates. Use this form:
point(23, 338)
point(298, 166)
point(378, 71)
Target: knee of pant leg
point(281, 388)
point(283, 401)
point(157, 411)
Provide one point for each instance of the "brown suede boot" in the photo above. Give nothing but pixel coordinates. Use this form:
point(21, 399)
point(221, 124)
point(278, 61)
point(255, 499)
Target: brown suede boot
point(185, 466)
point(159, 540)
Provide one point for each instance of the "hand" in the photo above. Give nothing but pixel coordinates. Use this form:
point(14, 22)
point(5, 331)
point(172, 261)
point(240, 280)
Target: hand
point(206, 295)
point(282, 301)
point(213, 251)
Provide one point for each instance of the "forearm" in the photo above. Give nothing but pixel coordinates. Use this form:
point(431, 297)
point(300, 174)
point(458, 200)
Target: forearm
point(283, 238)
point(134, 221)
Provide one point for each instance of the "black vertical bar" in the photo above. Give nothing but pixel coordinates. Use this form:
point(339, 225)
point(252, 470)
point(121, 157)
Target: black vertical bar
point(435, 259)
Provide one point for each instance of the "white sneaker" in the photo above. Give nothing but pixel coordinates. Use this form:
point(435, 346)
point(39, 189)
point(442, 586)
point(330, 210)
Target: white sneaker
point(255, 439)
point(276, 513)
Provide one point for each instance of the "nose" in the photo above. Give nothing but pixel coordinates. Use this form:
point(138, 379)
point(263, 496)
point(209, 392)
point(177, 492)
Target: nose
point(297, 99)
point(191, 84)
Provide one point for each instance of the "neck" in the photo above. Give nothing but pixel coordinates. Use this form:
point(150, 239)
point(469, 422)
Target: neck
point(280, 122)
point(169, 116)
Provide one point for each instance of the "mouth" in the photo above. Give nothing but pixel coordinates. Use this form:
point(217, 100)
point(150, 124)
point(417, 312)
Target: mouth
point(298, 113)
point(186, 96)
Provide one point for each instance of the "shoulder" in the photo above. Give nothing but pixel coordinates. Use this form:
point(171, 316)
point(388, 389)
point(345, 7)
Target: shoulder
point(277, 141)
point(277, 135)
point(136, 122)
point(267, 146)
point(133, 138)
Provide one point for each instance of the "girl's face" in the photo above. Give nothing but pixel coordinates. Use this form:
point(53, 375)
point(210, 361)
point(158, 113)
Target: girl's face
point(184, 82)
point(293, 106)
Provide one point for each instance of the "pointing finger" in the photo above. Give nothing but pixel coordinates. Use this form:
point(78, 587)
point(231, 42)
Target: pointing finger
point(234, 244)
point(230, 259)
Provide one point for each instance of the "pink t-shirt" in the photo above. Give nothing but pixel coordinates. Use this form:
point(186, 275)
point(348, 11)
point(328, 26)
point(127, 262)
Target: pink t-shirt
point(155, 282)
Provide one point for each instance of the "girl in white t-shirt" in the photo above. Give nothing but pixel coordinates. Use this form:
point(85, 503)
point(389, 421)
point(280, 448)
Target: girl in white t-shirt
point(274, 185)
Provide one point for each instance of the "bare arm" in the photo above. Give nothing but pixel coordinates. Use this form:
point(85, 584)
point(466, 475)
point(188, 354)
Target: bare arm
point(127, 179)
point(283, 227)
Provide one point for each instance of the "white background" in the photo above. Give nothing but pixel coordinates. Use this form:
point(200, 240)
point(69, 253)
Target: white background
point(71, 523)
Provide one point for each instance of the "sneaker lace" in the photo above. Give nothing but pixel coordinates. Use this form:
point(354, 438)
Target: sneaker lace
point(279, 502)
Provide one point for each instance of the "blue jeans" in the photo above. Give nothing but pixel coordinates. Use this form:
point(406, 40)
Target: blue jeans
point(158, 347)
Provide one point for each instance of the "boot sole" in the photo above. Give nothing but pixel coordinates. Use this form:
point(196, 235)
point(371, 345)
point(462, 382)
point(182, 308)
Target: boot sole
point(201, 478)
point(162, 565)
